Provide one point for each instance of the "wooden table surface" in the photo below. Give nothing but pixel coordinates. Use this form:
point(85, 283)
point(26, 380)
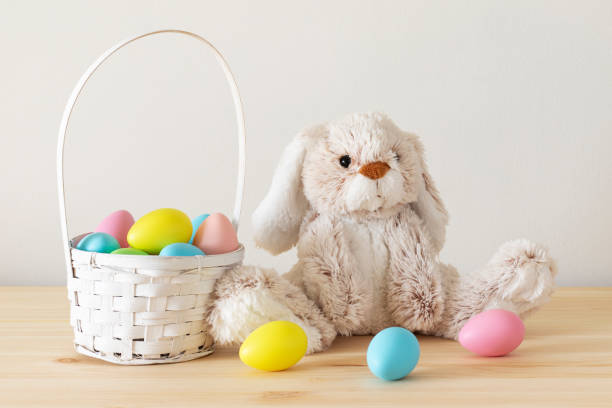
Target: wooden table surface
point(565, 360)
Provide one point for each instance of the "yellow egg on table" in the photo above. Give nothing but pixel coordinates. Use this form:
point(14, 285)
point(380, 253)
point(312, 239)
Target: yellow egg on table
point(159, 228)
point(275, 346)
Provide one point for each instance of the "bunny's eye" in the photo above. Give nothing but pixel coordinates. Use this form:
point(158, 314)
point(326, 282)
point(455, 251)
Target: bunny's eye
point(396, 156)
point(345, 161)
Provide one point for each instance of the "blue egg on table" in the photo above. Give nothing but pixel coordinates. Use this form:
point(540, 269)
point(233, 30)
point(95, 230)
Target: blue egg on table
point(181, 249)
point(393, 353)
point(98, 242)
point(196, 222)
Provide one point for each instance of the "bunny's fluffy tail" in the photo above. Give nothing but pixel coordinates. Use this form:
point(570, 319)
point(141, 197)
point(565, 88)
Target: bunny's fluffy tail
point(518, 278)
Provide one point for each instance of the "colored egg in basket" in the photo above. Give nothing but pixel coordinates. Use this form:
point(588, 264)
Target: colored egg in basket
point(117, 224)
point(216, 235)
point(181, 249)
point(98, 242)
point(159, 228)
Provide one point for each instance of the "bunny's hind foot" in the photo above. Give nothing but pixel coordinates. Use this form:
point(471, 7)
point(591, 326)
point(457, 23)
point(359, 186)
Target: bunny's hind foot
point(248, 297)
point(518, 278)
point(524, 274)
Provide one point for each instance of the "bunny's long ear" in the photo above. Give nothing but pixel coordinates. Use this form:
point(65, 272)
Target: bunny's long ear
point(278, 217)
point(429, 205)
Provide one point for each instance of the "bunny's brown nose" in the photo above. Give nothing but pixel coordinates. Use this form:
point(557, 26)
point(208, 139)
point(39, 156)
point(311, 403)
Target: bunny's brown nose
point(374, 170)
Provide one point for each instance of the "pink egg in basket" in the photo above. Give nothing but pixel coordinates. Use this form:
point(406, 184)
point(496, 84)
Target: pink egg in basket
point(117, 224)
point(492, 333)
point(216, 235)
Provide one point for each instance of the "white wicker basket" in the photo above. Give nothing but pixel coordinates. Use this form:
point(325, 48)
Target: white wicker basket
point(132, 309)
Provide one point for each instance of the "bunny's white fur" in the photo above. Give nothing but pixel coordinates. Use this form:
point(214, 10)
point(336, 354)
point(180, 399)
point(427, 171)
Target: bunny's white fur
point(368, 237)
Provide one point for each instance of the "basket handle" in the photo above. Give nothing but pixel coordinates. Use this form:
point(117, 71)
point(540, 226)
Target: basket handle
point(75, 95)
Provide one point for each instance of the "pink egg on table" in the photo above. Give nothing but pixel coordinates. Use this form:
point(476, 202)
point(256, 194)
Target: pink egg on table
point(117, 224)
point(492, 333)
point(216, 235)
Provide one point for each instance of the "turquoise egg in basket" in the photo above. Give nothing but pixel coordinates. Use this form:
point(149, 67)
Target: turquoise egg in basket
point(181, 249)
point(98, 242)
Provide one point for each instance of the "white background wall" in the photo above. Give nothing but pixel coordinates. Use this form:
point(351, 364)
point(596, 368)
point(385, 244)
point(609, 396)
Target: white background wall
point(513, 100)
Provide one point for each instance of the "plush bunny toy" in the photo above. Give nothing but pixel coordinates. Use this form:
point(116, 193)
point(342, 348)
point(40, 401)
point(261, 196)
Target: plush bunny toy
point(356, 197)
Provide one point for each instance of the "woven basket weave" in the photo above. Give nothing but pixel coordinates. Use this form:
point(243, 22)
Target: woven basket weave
point(133, 309)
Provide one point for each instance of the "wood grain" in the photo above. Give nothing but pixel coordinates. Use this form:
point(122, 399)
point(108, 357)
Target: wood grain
point(565, 360)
